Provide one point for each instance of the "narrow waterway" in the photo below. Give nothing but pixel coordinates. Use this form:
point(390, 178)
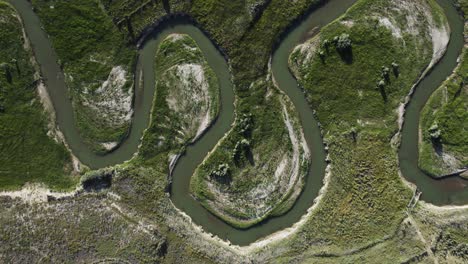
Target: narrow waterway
point(451, 190)
point(195, 153)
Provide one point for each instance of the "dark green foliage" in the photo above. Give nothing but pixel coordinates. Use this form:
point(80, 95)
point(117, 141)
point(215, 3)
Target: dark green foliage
point(245, 125)
point(222, 173)
point(97, 180)
point(343, 43)
point(386, 73)
point(434, 131)
point(243, 145)
point(325, 44)
point(396, 69)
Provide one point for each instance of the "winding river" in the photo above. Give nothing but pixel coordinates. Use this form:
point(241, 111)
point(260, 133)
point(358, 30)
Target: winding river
point(446, 191)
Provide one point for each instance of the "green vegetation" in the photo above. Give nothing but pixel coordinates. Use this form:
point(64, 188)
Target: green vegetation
point(186, 99)
point(134, 16)
point(366, 199)
point(446, 230)
point(404, 246)
point(97, 65)
point(463, 6)
point(443, 148)
point(94, 231)
point(27, 152)
point(258, 169)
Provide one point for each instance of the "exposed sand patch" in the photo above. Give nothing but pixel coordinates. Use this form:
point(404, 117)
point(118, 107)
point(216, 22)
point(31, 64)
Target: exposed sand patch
point(109, 145)
point(308, 50)
point(111, 101)
point(440, 40)
point(191, 98)
point(348, 23)
point(396, 31)
point(37, 193)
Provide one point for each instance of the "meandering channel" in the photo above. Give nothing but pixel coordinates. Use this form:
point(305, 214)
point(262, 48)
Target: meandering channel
point(451, 190)
point(445, 191)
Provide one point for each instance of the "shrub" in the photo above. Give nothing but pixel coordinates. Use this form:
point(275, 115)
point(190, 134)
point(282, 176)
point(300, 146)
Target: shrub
point(381, 85)
point(245, 124)
point(222, 173)
point(343, 43)
point(434, 131)
point(386, 73)
point(325, 44)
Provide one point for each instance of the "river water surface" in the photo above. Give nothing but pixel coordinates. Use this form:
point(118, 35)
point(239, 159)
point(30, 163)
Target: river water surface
point(446, 191)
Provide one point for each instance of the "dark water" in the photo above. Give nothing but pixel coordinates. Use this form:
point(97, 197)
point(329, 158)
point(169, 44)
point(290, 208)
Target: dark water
point(436, 191)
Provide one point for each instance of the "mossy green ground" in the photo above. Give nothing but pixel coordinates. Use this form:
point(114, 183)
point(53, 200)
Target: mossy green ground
point(88, 46)
point(27, 153)
point(447, 108)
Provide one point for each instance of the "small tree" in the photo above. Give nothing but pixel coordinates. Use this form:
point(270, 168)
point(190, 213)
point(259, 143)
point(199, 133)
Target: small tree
point(343, 43)
point(325, 44)
point(222, 173)
point(245, 124)
point(381, 85)
point(435, 132)
point(244, 144)
point(321, 55)
point(386, 73)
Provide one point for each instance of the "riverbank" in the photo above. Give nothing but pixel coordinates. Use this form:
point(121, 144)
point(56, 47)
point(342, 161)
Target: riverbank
point(24, 120)
point(97, 65)
point(443, 143)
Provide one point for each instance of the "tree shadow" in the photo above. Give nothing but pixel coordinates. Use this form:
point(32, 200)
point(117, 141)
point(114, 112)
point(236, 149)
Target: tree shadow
point(346, 55)
point(383, 93)
point(437, 146)
point(226, 180)
point(98, 183)
point(249, 156)
point(396, 72)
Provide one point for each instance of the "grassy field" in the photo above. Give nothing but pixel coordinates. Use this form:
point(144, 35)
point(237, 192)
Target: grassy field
point(94, 231)
point(446, 230)
point(356, 92)
point(404, 246)
point(443, 148)
point(91, 51)
point(27, 153)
